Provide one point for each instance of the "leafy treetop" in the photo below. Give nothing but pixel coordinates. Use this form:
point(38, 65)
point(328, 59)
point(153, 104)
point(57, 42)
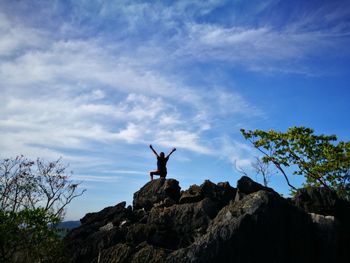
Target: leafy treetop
point(322, 159)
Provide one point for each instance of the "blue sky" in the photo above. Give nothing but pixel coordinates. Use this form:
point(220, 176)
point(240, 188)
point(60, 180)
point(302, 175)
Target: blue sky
point(95, 82)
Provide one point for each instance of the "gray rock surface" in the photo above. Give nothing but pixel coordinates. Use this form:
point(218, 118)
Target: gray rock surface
point(331, 217)
point(317, 200)
point(262, 227)
point(157, 191)
point(246, 186)
point(213, 223)
point(221, 193)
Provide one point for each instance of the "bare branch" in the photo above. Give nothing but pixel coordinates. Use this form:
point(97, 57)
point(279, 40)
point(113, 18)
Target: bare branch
point(239, 169)
point(278, 166)
point(28, 184)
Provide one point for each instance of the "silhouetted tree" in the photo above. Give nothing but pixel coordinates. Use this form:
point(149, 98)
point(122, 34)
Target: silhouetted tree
point(260, 167)
point(33, 198)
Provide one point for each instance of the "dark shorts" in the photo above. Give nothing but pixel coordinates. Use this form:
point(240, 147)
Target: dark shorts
point(160, 173)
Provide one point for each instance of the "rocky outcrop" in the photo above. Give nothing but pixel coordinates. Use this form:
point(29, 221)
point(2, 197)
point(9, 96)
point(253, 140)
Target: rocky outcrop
point(331, 217)
point(98, 231)
point(262, 227)
point(213, 223)
point(164, 191)
point(322, 201)
point(246, 186)
point(222, 193)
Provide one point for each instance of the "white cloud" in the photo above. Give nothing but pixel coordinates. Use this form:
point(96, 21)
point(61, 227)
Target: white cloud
point(16, 38)
point(65, 94)
point(247, 45)
point(99, 178)
point(124, 172)
point(182, 139)
point(51, 122)
point(131, 134)
point(228, 103)
point(73, 122)
point(240, 155)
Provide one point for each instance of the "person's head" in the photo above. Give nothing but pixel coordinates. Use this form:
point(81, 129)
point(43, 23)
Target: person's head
point(161, 154)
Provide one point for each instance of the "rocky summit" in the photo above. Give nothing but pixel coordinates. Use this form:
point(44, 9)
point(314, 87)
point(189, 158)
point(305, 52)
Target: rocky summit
point(215, 223)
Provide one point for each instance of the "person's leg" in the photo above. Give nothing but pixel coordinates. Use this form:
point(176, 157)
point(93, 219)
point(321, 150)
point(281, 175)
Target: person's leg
point(153, 173)
point(162, 175)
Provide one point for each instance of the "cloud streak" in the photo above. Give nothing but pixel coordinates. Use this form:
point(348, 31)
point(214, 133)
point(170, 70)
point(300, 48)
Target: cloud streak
point(65, 91)
point(102, 80)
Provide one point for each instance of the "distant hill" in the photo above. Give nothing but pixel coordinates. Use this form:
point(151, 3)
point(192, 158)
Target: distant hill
point(69, 224)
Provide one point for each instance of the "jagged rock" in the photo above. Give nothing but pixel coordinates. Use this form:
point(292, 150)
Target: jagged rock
point(317, 200)
point(327, 221)
point(191, 195)
point(156, 191)
point(179, 225)
point(325, 228)
point(114, 213)
point(325, 206)
point(262, 227)
point(246, 185)
point(221, 193)
point(122, 253)
point(115, 254)
point(147, 253)
point(165, 203)
point(107, 227)
point(174, 227)
point(98, 231)
point(209, 225)
point(166, 229)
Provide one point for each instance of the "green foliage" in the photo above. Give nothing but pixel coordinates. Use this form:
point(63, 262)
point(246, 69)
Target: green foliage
point(29, 236)
point(322, 159)
point(33, 196)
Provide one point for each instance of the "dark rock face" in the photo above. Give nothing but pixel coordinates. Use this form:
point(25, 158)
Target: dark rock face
point(212, 223)
point(221, 193)
point(178, 226)
point(156, 191)
point(98, 230)
point(319, 200)
point(331, 216)
point(262, 227)
point(246, 186)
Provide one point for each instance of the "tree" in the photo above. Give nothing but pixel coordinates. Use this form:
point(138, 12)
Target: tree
point(322, 159)
point(33, 198)
point(262, 168)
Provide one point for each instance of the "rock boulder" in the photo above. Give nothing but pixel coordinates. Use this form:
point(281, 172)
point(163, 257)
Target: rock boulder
point(162, 190)
point(246, 185)
point(220, 193)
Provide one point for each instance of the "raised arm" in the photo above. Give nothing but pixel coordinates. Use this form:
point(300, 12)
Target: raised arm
point(173, 150)
point(150, 146)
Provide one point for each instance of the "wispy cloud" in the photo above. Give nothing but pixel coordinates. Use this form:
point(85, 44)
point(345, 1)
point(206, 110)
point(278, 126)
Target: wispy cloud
point(240, 155)
point(99, 178)
point(124, 172)
point(70, 92)
point(103, 79)
point(64, 91)
point(260, 47)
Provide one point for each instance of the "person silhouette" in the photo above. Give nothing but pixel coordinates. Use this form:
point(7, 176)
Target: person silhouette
point(161, 163)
